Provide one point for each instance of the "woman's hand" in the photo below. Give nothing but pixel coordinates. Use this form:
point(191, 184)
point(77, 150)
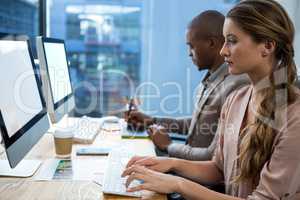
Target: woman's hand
point(160, 164)
point(152, 180)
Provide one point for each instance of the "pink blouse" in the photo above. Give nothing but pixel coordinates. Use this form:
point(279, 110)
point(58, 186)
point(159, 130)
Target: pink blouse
point(280, 176)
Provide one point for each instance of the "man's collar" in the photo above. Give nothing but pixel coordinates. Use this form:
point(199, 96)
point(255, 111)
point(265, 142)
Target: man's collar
point(220, 72)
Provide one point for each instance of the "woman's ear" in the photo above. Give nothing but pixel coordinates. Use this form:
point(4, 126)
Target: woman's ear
point(269, 48)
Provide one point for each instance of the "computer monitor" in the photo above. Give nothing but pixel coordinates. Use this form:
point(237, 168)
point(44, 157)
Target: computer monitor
point(55, 76)
point(23, 114)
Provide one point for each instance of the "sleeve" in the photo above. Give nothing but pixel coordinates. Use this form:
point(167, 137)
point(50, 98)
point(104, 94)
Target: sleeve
point(192, 153)
point(180, 126)
point(280, 177)
point(231, 84)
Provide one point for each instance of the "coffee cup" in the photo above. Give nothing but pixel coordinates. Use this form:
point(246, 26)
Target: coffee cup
point(63, 140)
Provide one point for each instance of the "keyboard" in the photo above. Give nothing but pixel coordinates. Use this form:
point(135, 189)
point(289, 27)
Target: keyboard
point(113, 182)
point(86, 129)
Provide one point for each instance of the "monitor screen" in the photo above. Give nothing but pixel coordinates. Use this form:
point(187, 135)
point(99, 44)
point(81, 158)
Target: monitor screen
point(56, 59)
point(20, 101)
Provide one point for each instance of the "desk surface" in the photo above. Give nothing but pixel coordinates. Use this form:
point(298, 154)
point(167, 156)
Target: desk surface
point(28, 188)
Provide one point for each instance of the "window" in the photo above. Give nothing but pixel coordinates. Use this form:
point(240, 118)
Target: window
point(20, 17)
point(168, 76)
point(120, 48)
point(103, 44)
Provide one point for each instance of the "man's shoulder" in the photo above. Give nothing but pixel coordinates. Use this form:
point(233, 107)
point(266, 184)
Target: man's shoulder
point(237, 79)
point(233, 82)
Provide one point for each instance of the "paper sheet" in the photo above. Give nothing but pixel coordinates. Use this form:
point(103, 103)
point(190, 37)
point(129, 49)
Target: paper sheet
point(77, 169)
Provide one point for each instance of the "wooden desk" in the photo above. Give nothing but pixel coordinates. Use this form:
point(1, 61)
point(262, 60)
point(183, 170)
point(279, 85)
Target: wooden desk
point(29, 189)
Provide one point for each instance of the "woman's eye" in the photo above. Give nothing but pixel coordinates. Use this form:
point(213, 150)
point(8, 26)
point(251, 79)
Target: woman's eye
point(231, 41)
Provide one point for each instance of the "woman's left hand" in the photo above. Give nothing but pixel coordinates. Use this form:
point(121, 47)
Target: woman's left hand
point(152, 180)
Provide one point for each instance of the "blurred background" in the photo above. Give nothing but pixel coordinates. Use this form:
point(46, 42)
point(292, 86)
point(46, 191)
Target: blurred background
point(124, 48)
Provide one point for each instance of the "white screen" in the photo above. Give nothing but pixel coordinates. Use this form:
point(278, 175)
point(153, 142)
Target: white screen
point(20, 100)
point(58, 70)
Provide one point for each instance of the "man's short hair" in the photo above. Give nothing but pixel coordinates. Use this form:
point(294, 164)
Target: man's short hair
point(208, 23)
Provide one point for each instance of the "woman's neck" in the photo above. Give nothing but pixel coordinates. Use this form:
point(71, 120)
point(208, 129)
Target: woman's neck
point(259, 75)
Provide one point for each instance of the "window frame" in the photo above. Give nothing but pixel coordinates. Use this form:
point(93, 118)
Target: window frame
point(42, 17)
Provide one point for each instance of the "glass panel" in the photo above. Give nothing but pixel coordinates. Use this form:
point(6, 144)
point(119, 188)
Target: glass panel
point(103, 44)
point(117, 48)
point(20, 17)
point(169, 79)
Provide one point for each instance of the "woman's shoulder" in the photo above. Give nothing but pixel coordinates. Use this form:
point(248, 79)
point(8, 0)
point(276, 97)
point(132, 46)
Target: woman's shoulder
point(296, 102)
point(234, 99)
point(238, 94)
point(289, 115)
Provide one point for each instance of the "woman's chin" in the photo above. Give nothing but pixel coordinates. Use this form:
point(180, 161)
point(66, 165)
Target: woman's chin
point(234, 71)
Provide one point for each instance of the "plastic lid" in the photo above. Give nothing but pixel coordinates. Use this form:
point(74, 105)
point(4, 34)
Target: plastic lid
point(63, 133)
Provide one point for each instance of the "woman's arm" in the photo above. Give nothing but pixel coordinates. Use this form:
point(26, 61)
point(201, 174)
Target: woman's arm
point(165, 183)
point(200, 171)
point(192, 190)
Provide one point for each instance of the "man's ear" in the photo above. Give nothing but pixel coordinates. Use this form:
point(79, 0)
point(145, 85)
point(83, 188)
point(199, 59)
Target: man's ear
point(212, 42)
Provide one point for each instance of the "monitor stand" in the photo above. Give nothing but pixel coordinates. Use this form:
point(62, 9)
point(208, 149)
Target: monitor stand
point(25, 168)
point(2, 150)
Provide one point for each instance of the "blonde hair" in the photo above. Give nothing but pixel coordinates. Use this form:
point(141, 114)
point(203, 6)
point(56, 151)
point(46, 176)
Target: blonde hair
point(265, 21)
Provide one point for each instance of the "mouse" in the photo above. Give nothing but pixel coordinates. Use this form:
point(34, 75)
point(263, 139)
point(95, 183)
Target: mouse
point(111, 119)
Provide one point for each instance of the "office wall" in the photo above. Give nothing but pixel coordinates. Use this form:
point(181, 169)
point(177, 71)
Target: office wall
point(168, 77)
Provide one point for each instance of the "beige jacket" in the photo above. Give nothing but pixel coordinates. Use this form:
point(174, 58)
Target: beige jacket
point(201, 128)
point(280, 176)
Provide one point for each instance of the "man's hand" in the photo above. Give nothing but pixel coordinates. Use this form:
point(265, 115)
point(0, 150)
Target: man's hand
point(160, 137)
point(138, 119)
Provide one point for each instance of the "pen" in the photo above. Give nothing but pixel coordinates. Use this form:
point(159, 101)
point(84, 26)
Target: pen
point(130, 105)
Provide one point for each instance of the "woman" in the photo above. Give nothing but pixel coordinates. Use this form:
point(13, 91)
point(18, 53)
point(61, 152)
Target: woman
point(257, 156)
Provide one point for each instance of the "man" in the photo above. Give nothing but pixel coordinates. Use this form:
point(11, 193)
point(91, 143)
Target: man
point(205, 40)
